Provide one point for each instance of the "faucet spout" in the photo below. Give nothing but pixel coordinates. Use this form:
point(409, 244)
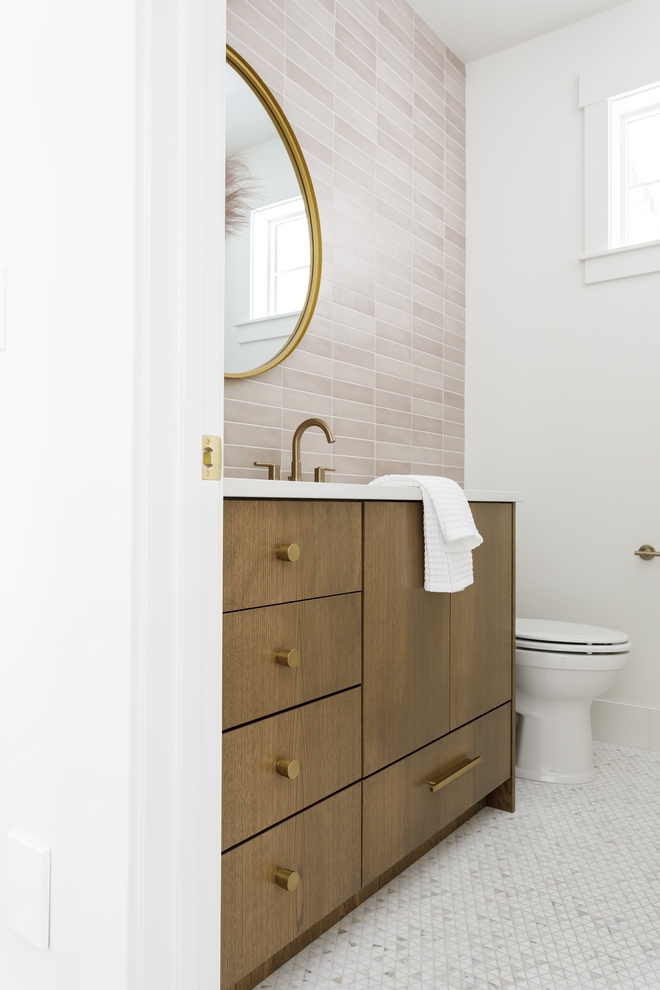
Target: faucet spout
point(296, 469)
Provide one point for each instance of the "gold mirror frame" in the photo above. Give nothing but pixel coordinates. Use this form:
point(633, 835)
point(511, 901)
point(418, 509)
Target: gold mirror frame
point(283, 127)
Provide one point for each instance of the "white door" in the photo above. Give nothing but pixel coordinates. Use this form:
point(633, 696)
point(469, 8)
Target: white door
point(176, 728)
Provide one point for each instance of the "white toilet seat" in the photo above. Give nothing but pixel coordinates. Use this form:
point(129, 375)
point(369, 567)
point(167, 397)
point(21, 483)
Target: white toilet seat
point(548, 636)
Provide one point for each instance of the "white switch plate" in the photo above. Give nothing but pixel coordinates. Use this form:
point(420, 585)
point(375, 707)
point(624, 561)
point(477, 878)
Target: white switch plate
point(28, 889)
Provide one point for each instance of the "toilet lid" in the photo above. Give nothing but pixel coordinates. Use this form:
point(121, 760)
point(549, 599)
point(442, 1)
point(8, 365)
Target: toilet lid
point(568, 637)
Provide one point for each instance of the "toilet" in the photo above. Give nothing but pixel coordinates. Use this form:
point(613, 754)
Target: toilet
point(560, 668)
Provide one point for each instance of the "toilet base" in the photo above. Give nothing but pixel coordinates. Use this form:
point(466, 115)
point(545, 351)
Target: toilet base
point(554, 740)
point(557, 778)
point(554, 691)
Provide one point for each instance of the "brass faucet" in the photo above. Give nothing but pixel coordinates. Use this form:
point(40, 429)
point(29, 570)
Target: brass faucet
point(296, 470)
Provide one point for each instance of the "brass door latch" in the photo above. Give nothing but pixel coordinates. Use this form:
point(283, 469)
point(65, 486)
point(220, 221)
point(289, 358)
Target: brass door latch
point(211, 458)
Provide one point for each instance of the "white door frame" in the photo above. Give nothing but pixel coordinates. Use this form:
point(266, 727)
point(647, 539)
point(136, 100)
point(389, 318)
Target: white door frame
point(173, 936)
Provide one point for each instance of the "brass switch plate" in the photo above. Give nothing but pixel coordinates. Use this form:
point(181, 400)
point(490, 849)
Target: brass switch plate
point(211, 458)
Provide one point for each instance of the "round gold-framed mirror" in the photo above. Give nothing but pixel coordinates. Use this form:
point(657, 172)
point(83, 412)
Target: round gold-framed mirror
point(273, 246)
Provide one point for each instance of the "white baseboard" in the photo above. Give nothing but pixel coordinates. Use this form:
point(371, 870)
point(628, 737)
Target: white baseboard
point(628, 725)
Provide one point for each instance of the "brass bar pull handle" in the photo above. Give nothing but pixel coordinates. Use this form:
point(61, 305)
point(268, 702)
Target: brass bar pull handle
point(446, 778)
point(288, 551)
point(288, 658)
point(287, 879)
point(288, 768)
point(647, 552)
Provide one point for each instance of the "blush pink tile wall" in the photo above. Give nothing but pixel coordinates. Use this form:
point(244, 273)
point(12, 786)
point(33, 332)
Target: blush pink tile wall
point(378, 105)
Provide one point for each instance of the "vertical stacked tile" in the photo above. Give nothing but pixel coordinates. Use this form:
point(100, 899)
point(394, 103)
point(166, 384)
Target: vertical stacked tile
point(378, 105)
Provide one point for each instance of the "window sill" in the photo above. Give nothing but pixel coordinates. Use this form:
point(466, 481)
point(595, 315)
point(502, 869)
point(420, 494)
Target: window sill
point(621, 262)
point(267, 327)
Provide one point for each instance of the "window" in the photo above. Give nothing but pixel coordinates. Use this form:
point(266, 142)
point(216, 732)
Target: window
point(635, 168)
point(621, 103)
point(280, 259)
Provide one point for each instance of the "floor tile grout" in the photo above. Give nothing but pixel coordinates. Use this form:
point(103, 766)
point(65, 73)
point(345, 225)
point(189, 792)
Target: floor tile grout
point(563, 895)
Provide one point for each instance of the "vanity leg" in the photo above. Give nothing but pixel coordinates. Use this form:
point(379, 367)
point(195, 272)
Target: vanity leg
point(503, 797)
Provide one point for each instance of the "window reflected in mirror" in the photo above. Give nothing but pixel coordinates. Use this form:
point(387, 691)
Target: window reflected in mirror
point(279, 257)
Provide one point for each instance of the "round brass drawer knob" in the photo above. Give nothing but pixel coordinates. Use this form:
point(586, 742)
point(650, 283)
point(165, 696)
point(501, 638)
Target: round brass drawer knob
point(287, 879)
point(288, 768)
point(288, 658)
point(288, 551)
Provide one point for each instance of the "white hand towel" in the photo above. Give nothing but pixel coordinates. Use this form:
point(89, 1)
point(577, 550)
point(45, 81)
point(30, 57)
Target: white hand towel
point(449, 531)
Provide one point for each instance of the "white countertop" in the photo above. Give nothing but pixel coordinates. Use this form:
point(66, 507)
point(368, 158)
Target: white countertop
point(258, 488)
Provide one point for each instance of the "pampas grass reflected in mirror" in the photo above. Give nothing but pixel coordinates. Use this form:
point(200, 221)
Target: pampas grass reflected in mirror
point(241, 189)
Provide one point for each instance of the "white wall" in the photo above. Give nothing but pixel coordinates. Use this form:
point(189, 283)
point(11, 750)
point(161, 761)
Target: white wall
point(563, 379)
point(67, 174)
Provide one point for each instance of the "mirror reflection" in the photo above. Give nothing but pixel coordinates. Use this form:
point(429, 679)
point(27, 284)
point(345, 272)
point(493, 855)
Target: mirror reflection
point(268, 250)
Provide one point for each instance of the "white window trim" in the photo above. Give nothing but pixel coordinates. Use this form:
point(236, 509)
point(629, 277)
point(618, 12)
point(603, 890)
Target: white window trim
point(597, 86)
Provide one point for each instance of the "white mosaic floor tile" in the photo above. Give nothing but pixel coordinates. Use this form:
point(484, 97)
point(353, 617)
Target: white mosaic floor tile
point(563, 895)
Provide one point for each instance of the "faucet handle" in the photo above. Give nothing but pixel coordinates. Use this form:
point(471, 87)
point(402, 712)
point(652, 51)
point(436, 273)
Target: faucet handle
point(273, 469)
point(320, 473)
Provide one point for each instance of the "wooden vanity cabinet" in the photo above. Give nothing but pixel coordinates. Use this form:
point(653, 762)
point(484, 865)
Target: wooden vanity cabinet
point(397, 704)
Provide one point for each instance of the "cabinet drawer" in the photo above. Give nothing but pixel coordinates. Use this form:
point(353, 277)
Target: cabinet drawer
point(324, 739)
point(329, 538)
point(401, 812)
point(326, 632)
point(322, 845)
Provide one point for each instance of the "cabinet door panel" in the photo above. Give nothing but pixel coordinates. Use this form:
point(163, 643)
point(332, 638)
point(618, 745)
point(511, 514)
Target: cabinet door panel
point(406, 638)
point(482, 622)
